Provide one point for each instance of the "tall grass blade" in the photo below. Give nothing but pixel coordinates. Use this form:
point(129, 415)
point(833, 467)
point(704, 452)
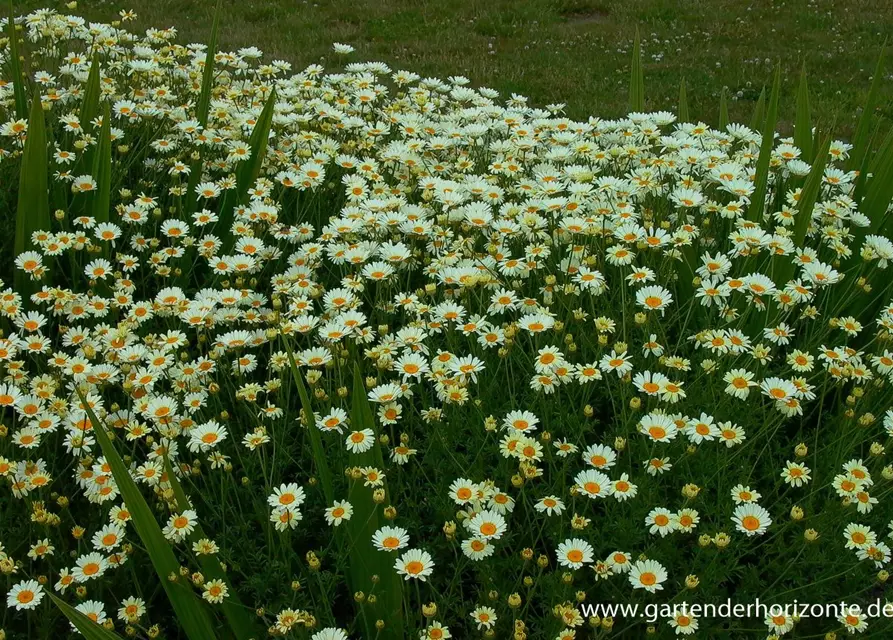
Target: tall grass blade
point(319, 454)
point(33, 207)
point(879, 187)
point(89, 629)
point(803, 120)
point(102, 170)
point(20, 95)
point(239, 617)
point(723, 110)
point(636, 78)
point(201, 112)
point(90, 103)
point(809, 194)
point(259, 141)
point(761, 181)
point(90, 110)
point(878, 194)
point(192, 616)
point(862, 135)
point(249, 170)
point(759, 112)
point(683, 103)
point(364, 560)
point(204, 100)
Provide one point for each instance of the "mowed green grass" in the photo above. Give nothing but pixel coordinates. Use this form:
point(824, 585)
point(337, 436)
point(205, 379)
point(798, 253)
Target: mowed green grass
point(575, 52)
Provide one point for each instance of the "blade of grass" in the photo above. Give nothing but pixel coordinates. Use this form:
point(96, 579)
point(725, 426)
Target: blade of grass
point(683, 103)
point(89, 629)
point(759, 111)
point(20, 96)
point(803, 120)
point(761, 181)
point(192, 616)
point(723, 110)
point(809, 194)
point(239, 617)
point(249, 170)
point(861, 137)
point(364, 560)
point(878, 194)
point(90, 103)
point(879, 188)
point(33, 206)
point(102, 170)
point(877, 199)
point(201, 112)
point(636, 77)
point(319, 455)
point(90, 109)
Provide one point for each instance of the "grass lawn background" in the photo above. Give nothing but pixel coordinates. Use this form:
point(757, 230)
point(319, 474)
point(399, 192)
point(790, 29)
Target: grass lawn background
point(575, 52)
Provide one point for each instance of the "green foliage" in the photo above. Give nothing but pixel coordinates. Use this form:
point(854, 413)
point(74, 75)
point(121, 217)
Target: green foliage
point(862, 136)
point(90, 101)
point(248, 170)
point(192, 616)
point(803, 120)
point(723, 109)
point(100, 205)
point(637, 77)
point(325, 258)
point(761, 180)
point(810, 193)
point(201, 113)
point(364, 560)
point(20, 97)
point(89, 629)
point(319, 456)
point(33, 209)
point(238, 616)
point(759, 112)
point(682, 110)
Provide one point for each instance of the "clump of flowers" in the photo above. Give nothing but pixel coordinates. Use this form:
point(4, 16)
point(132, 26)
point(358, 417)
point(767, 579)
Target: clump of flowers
point(392, 356)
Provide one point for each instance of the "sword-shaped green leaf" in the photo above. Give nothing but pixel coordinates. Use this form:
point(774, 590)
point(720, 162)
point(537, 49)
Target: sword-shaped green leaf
point(201, 112)
point(803, 119)
point(249, 170)
point(364, 559)
point(89, 111)
point(723, 110)
point(879, 188)
point(809, 194)
point(238, 616)
point(759, 111)
point(877, 196)
point(319, 455)
point(102, 169)
point(20, 96)
point(683, 103)
point(636, 78)
point(761, 181)
point(862, 136)
point(33, 207)
point(89, 629)
point(90, 102)
point(192, 616)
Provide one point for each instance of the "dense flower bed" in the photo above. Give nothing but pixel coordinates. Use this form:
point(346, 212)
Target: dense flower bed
point(549, 363)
